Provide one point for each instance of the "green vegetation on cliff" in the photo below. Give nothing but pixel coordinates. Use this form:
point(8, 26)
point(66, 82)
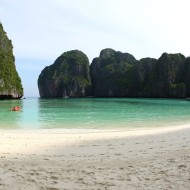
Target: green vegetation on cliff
point(110, 73)
point(10, 82)
point(68, 76)
point(116, 74)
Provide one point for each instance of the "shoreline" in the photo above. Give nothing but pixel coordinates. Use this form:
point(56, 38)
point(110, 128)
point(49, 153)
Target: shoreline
point(126, 131)
point(151, 158)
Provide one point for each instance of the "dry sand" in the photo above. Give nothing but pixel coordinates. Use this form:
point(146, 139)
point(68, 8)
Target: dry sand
point(129, 160)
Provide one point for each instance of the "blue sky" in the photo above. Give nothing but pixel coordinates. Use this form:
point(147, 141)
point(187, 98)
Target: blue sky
point(41, 30)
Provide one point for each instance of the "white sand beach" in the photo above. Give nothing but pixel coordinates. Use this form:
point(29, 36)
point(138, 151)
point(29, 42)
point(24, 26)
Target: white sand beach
point(56, 159)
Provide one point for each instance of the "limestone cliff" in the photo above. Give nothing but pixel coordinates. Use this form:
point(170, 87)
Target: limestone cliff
point(10, 82)
point(67, 76)
point(116, 74)
point(110, 73)
point(164, 80)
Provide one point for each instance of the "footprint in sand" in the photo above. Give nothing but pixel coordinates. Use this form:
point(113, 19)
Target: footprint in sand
point(54, 178)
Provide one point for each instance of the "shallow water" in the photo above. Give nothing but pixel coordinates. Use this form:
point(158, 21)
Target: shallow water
point(94, 113)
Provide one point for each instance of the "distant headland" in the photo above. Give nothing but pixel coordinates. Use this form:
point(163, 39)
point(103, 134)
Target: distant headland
point(116, 74)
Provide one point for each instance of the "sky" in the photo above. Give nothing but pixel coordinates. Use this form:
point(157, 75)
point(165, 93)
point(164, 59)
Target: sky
point(41, 30)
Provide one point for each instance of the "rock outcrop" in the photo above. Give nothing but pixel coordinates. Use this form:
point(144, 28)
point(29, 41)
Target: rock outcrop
point(68, 76)
point(141, 75)
point(164, 80)
point(110, 73)
point(10, 82)
point(116, 74)
point(184, 76)
point(121, 75)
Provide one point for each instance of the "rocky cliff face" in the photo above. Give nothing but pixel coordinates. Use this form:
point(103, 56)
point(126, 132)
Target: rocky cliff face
point(164, 80)
point(110, 73)
point(140, 76)
point(117, 74)
point(120, 75)
point(68, 76)
point(10, 82)
point(184, 76)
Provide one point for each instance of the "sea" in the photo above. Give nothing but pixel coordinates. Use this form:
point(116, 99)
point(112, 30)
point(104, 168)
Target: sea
point(94, 113)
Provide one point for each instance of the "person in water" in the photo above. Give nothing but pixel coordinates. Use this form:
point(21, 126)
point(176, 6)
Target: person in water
point(16, 108)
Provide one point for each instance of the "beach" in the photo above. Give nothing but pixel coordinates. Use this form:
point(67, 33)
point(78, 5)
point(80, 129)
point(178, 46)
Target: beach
point(153, 158)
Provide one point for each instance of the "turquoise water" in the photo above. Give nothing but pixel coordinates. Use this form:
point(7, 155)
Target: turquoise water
point(94, 113)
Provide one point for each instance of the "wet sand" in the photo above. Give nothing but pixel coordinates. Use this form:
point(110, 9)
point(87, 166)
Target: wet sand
point(57, 160)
